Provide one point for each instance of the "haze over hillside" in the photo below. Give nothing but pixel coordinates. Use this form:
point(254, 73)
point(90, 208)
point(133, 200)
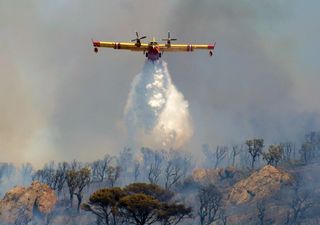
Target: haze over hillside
point(59, 100)
point(116, 139)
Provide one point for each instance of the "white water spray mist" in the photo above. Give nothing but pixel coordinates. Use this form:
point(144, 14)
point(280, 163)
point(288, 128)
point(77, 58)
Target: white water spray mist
point(156, 113)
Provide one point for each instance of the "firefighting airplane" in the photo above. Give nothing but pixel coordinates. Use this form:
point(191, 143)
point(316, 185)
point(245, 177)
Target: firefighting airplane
point(153, 50)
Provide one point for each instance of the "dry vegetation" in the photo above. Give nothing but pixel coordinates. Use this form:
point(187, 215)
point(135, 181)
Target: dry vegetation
point(238, 184)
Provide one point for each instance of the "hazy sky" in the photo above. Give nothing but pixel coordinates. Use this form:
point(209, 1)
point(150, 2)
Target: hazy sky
point(58, 100)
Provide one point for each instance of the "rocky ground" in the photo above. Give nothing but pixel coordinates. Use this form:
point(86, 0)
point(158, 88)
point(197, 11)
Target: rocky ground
point(259, 185)
point(277, 193)
point(21, 204)
point(269, 192)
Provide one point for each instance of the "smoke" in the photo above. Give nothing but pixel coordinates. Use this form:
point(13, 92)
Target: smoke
point(156, 113)
point(251, 87)
point(23, 124)
point(261, 81)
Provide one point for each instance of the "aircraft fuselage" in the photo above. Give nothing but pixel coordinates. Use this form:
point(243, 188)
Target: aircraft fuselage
point(153, 53)
point(152, 50)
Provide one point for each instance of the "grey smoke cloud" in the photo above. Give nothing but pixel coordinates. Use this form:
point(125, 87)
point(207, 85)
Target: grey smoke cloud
point(250, 88)
point(23, 126)
point(72, 101)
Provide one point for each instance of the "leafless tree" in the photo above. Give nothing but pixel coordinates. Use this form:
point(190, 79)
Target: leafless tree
point(6, 170)
point(54, 176)
point(100, 167)
point(136, 171)
point(127, 162)
point(314, 221)
point(60, 176)
point(210, 203)
point(172, 174)
point(154, 172)
point(261, 211)
point(46, 175)
point(314, 139)
point(306, 152)
point(75, 165)
point(153, 163)
point(220, 154)
point(209, 155)
point(288, 151)
point(223, 217)
point(26, 172)
point(214, 157)
point(236, 150)
point(299, 205)
point(11, 169)
point(255, 147)
point(23, 216)
point(113, 174)
point(177, 166)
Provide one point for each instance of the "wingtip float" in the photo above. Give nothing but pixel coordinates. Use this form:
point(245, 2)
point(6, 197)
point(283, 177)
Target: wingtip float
point(153, 50)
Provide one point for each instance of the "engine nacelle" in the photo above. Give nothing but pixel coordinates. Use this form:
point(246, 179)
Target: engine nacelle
point(96, 50)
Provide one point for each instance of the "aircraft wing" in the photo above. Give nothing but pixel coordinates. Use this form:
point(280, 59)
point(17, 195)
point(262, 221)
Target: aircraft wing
point(120, 45)
point(184, 47)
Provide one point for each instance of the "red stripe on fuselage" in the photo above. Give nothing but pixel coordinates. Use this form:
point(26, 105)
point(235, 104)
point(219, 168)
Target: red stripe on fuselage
point(117, 45)
point(189, 48)
point(210, 46)
point(96, 44)
point(153, 53)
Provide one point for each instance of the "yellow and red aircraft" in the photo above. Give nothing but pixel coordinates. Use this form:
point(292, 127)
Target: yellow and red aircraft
point(153, 50)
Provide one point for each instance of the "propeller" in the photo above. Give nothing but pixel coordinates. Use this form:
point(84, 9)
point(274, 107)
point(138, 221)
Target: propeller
point(138, 39)
point(169, 39)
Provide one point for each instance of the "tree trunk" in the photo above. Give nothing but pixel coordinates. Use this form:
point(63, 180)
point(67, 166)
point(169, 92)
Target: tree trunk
point(252, 163)
point(71, 199)
point(79, 197)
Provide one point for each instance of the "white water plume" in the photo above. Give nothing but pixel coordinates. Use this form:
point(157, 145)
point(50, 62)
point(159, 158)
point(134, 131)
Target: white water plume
point(156, 113)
